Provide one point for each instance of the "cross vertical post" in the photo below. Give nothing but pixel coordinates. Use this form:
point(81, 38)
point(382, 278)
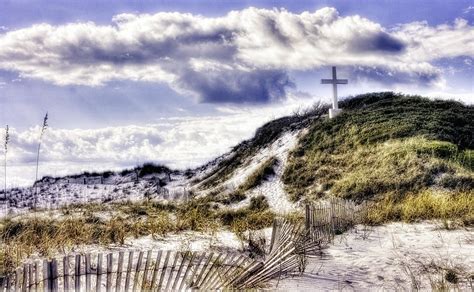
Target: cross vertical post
point(334, 89)
point(334, 81)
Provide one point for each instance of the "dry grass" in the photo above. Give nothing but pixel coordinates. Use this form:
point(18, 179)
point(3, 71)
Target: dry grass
point(113, 223)
point(262, 173)
point(371, 171)
point(454, 209)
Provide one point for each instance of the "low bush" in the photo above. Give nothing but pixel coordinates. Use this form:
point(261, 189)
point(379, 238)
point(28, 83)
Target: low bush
point(151, 168)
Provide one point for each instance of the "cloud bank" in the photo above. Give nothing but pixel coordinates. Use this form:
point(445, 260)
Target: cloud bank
point(243, 56)
point(179, 142)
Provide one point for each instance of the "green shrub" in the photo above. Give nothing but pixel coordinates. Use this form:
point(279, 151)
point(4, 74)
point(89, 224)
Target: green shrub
point(151, 168)
point(234, 197)
point(258, 203)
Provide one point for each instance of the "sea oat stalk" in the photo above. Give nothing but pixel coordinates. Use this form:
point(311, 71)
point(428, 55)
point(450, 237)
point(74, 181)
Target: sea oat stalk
point(43, 130)
point(7, 139)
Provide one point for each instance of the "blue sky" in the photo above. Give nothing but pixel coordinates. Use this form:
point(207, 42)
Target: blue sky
point(116, 65)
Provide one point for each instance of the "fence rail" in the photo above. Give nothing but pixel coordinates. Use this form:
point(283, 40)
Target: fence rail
point(160, 270)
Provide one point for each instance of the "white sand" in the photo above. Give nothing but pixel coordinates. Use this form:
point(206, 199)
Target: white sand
point(385, 258)
point(272, 189)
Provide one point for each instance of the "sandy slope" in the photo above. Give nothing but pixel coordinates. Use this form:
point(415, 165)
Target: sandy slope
point(64, 191)
point(273, 188)
point(386, 258)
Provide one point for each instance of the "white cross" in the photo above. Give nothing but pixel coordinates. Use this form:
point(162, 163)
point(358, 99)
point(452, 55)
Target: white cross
point(334, 81)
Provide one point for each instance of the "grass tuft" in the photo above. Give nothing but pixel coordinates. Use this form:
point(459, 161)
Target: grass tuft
point(262, 173)
point(425, 205)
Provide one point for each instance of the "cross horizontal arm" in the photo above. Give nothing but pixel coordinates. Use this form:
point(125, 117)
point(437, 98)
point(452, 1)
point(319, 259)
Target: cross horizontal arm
point(327, 81)
point(332, 81)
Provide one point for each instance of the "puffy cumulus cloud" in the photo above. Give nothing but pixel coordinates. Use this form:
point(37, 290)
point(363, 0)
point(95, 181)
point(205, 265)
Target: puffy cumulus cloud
point(243, 56)
point(179, 142)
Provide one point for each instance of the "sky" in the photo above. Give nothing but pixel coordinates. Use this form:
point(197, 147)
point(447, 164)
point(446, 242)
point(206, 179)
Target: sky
point(180, 82)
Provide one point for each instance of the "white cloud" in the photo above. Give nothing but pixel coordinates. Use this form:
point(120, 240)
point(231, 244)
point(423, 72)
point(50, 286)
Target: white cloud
point(179, 142)
point(240, 57)
point(468, 9)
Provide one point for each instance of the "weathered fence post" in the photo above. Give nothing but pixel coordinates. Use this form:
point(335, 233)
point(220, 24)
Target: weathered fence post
point(109, 272)
point(129, 269)
point(54, 275)
point(30, 277)
point(170, 277)
point(98, 283)
point(46, 286)
point(145, 272)
point(37, 280)
point(137, 271)
point(155, 270)
point(25, 278)
point(66, 273)
point(163, 271)
point(119, 272)
point(88, 272)
point(77, 273)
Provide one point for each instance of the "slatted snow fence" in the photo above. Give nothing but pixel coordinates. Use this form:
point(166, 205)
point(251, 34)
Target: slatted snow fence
point(159, 270)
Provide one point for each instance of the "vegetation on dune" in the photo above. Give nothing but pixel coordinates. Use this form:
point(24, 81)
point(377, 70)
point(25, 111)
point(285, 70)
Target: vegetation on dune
point(455, 209)
point(262, 173)
point(104, 224)
point(264, 136)
point(151, 168)
point(385, 145)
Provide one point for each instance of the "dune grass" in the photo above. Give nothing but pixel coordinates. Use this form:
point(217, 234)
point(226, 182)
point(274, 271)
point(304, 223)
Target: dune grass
point(385, 144)
point(262, 173)
point(113, 223)
point(453, 209)
point(264, 136)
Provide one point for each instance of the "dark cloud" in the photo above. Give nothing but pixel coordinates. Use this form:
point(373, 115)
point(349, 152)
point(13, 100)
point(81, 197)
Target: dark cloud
point(382, 42)
point(258, 86)
point(240, 57)
point(386, 76)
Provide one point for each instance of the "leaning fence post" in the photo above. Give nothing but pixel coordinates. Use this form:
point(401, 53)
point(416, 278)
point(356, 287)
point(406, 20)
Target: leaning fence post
point(155, 270)
point(170, 276)
point(137, 271)
point(274, 230)
point(163, 270)
point(145, 272)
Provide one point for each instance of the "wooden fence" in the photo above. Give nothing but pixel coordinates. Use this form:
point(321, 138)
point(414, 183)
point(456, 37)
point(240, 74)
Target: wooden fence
point(160, 270)
point(132, 271)
point(325, 219)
